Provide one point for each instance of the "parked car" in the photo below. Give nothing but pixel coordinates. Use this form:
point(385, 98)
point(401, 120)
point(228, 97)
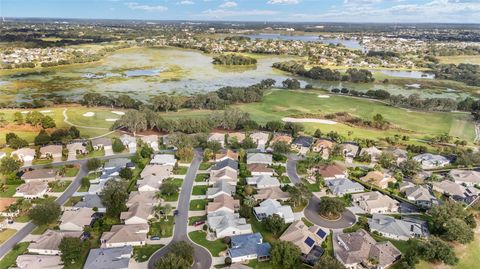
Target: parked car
point(175, 212)
point(155, 238)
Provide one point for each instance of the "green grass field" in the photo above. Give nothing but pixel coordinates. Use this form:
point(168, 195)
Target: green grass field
point(215, 247)
point(10, 258)
point(469, 59)
point(6, 234)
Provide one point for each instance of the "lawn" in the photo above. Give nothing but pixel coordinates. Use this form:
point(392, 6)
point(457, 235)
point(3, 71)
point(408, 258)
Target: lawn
point(215, 247)
point(201, 177)
point(71, 171)
point(59, 186)
point(170, 198)
point(198, 205)
point(7, 190)
point(162, 227)
point(311, 187)
point(143, 253)
point(469, 59)
point(205, 165)
point(6, 234)
point(92, 154)
point(199, 190)
point(11, 257)
point(180, 170)
point(192, 220)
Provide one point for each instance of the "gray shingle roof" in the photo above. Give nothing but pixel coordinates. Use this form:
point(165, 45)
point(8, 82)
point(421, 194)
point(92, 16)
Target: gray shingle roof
point(109, 258)
point(248, 244)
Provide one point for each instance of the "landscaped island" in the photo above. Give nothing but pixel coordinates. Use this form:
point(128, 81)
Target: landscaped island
point(233, 59)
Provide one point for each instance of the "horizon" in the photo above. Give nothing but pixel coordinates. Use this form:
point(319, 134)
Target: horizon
point(290, 11)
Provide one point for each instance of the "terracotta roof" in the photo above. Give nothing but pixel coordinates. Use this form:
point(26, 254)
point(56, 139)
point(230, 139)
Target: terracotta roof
point(330, 170)
point(229, 153)
point(323, 143)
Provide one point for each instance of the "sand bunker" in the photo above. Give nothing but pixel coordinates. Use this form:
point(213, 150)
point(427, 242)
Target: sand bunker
point(118, 113)
point(25, 112)
point(306, 120)
point(46, 111)
point(89, 114)
point(111, 119)
point(323, 96)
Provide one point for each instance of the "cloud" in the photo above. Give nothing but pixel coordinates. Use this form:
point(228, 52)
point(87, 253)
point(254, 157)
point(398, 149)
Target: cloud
point(137, 6)
point(223, 13)
point(283, 2)
point(228, 4)
point(185, 2)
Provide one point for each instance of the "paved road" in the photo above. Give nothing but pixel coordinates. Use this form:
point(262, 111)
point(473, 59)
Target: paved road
point(203, 258)
point(311, 211)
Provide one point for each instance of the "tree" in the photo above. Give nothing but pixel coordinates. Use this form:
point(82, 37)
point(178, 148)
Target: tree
point(299, 194)
point(14, 141)
point(410, 168)
point(168, 187)
point(457, 230)
point(134, 120)
point(285, 254)
point(183, 250)
point(185, 154)
point(93, 164)
point(45, 212)
point(48, 122)
point(274, 223)
point(117, 146)
point(280, 147)
point(274, 126)
point(452, 222)
point(42, 138)
point(114, 196)
point(172, 261)
point(18, 118)
point(9, 165)
point(328, 262)
point(71, 248)
point(126, 173)
point(331, 207)
point(436, 250)
point(294, 128)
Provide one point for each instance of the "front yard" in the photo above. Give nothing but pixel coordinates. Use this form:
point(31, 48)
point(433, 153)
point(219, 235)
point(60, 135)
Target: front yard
point(201, 177)
point(199, 190)
point(11, 257)
point(143, 253)
point(59, 186)
point(162, 227)
point(215, 247)
point(6, 234)
point(198, 205)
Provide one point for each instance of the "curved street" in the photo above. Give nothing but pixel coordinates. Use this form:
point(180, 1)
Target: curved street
point(311, 211)
point(203, 258)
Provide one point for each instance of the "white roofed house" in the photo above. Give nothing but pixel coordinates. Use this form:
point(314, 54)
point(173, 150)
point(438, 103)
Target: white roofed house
point(138, 213)
point(52, 152)
point(375, 202)
point(125, 235)
point(224, 223)
point(76, 219)
point(164, 159)
point(25, 155)
point(270, 207)
point(149, 183)
point(342, 186)
point(217, 137)
point(465, 177)
point(27, 261)
point(398, 229)
point(129, 142)
point(431, 161)
point(151, 141)
point(418, 194)
point(259, 158)
point(161, 171)
point(263, 181)
point(260, 138)
point(373, 152)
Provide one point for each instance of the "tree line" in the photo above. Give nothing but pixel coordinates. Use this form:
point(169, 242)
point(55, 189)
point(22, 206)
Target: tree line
point(467, 73)
point(233, 59)
point(352, 74)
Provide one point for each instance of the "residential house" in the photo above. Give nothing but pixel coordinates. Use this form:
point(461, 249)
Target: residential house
point(217, 137)
point(431, 161)
point(274, 193)
point(302, 144)
point(225, 164)
point(27, 261)
point(48, 242)
point(400, 155)
point(25, 155)
point(129, 142)
point(349, 149)
point(161, 171)
point(398, 229)
point(227, 154)
point(236, 136)
point(92, 201)
point(327, 171)
point(359, 248)
point(420, 195)
point(260, 138)
point(342, 186)
point(125, 235)
point(259, 158)
point(151, 141)
point(52, 152)
point(263, 181)
point(375, 202)
point(247, 247)
point(40, 175)
point(225, 174)
point(465, 177)
point(324, 147)
point(304, 237)
point(103, 258)
point(76, 219)
point(138, 213)
point(221, 187)
point(76, 148)
point(455, 191)
point(223, 203)
point(103, 143)
point(379, 179)
point(5, 203)
point(270, 207)
point(146, 197)
point(227, 224)
point(32, 190)
point(164, 159)
point(280, 137)
point(118, 164)
point(373, 152)
point(257, 169)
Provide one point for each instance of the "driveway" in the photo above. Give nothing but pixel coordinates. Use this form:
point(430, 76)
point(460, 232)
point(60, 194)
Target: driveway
point(347, 218)
point(203, 258)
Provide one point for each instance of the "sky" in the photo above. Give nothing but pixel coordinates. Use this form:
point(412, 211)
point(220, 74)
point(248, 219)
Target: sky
point(395, 11)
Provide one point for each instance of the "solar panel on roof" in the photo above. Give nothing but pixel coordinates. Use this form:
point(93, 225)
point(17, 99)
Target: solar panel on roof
point(321, 233)
point(309, 241)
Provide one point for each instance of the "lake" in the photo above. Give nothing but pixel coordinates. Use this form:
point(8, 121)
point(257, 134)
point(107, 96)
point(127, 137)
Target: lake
point(348, 43)
point(407, 74)
point(145, 72)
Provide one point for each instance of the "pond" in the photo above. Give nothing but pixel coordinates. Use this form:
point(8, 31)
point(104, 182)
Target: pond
point(407, 74)
point(348, 43)
point(144, 72)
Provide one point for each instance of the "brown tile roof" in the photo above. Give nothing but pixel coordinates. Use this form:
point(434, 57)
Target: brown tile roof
point(259, 168)
point(271, 193)
point(229, 153)
point(281, 138)
point(223, 201)
point(329, 170)
point(323, 143)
